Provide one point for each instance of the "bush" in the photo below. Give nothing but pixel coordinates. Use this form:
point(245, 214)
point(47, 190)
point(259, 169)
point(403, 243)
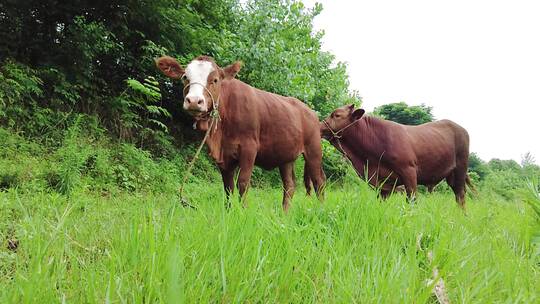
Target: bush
point(504, 183)
point(98, 168)
point(70, 159)
point(335, 164)
point(18, 161)
point(132, 167)
point(19, 88)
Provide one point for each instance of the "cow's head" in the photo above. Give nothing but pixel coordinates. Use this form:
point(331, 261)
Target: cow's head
point(340, 119)
point(202, 81)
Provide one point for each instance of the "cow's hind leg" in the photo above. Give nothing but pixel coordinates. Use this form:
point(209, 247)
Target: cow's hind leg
point(307, 179)
point(287, 176)
point(313, 159)
point(456, 180)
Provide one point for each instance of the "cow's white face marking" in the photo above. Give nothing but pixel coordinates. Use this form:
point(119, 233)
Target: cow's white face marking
point(197, 74)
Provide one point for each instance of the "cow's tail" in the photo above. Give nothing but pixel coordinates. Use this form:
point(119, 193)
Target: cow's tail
point(470, 184)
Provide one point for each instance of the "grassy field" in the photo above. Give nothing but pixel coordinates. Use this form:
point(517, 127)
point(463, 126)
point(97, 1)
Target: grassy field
point(143, 247)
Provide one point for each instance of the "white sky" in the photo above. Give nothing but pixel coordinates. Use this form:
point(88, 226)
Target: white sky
point(476, 62)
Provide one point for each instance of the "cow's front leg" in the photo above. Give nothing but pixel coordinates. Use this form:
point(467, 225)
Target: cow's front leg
point(408, 176)
point(246, 163)
point(228, 183)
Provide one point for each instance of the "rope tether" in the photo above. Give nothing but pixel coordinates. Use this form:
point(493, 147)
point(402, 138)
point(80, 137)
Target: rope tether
point(214, 117)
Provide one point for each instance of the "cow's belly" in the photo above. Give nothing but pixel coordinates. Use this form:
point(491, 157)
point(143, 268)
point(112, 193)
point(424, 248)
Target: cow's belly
point(279, 147)
point(268, 156)
point(434, 168)
point(272, 158)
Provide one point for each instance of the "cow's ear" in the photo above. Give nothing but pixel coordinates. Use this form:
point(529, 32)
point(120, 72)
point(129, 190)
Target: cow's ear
point(351, 107)
point(230, 71)
point(170, 67)
point(358, 113)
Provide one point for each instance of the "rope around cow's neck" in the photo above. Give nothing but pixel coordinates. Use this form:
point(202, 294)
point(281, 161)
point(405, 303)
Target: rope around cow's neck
point(214, 119)
point(337, 135)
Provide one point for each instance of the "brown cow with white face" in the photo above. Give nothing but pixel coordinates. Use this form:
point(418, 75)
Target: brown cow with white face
point(388, 154)
point(254, 127)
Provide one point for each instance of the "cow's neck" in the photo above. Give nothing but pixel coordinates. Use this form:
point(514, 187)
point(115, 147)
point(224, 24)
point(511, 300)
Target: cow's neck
point(350, 154)
point(363, 139)
point(363, 146)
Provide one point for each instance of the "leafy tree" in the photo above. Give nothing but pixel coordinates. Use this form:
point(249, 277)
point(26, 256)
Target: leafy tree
point(19, 85)
point(496, 164)
point(402, 113)
point(274, 40)
point(477, 165)
point(84, 51)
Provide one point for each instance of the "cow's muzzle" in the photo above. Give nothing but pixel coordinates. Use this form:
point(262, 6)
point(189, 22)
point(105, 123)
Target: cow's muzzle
point(325, 131)
point(195, 106)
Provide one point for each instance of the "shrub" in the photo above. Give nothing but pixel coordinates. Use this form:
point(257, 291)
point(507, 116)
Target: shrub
point(504, 183)
point(335, 164)
point(19, 88)
point(70, 159)
point(98, 168)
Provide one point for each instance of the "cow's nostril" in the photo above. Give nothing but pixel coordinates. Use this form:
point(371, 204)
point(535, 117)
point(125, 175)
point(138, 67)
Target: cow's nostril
point(200, 102)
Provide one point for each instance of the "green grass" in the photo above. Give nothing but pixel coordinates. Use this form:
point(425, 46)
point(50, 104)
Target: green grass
point(135, 248)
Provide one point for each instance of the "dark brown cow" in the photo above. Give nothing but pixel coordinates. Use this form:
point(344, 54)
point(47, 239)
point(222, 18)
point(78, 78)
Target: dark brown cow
point(388, 154)
point(254, 127)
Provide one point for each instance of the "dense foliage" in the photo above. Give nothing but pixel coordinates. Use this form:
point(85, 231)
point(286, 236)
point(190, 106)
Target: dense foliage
point(59, 60)
point(507, 178)
point(402, 113)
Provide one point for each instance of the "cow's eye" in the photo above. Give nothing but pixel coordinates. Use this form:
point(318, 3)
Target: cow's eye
point(184, 78)
point(215, 80)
